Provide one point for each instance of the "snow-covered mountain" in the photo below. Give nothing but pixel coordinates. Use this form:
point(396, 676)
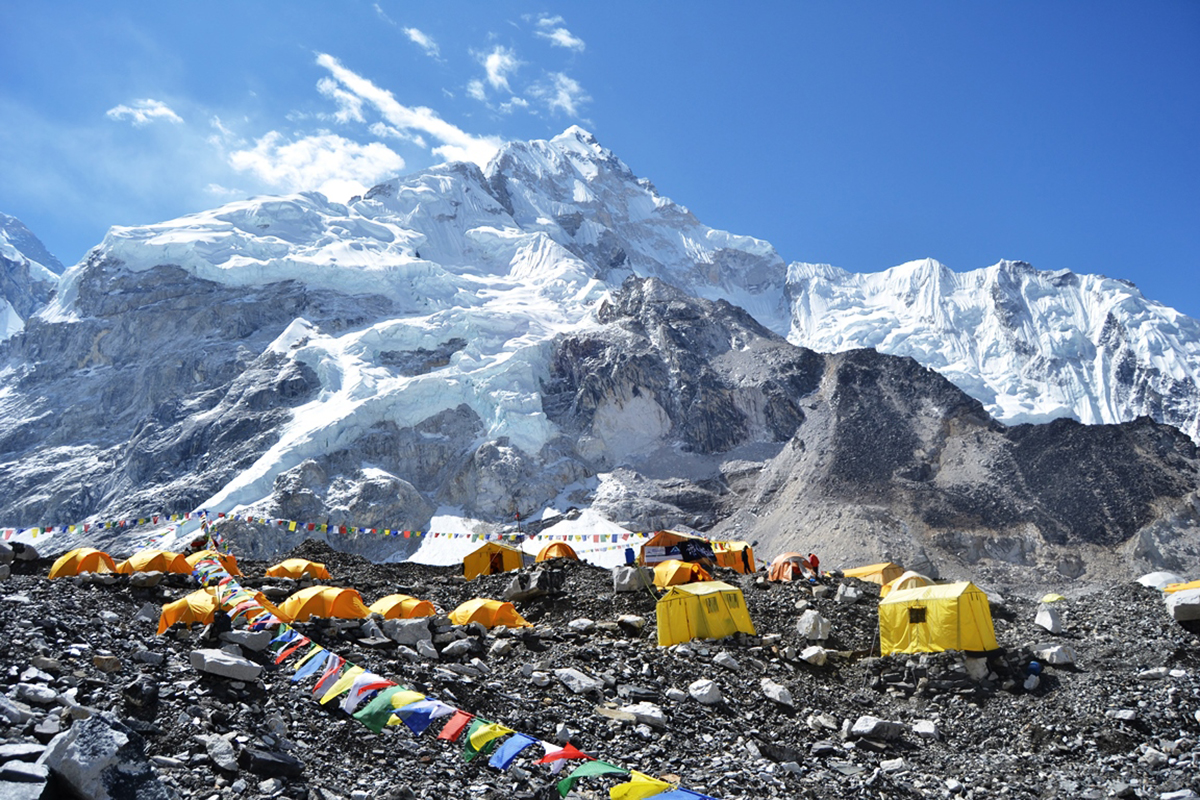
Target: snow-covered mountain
point(550, 332)
point(1030, 345)
point(28, 273)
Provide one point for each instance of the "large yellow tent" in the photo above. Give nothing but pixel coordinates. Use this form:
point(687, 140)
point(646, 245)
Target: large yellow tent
point(492, 559)
point(674, 545)
point(297, 568)
point(557, 550)
point(909, 580)
point(200, 606)
point(324, 602)
point(672, 573)
point(705, 610)
point(227, 560)
point(876, 573)
point(488, 613)
point(82, 559)
point(930, 619)
point(737, 556)
point(402, 606)
point(154, 560)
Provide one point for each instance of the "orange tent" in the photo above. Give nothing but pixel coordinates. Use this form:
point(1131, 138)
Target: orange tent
point(324, 602)
point(228, 561)
point(789, 567)
point(83, 559)
point(492, 559)
point(488, 613)
point(402, 606)
point(154, 560)
point(297, 568)
point(557, 550)
point(737, 556)
point(668, 545)
point(200, 606)
point(672, 573)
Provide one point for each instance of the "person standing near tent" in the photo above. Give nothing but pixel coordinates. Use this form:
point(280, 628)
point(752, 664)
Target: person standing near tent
point(815, 563)
point(220, 624)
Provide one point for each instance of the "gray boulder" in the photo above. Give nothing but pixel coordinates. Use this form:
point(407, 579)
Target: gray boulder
point(227, 665)
point(100, 758)
point(632, 579)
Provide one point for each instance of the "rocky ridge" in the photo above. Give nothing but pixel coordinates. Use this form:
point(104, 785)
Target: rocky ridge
point(1115, 711)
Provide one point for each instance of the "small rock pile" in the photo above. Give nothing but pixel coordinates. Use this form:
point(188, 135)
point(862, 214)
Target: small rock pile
point(92, 700)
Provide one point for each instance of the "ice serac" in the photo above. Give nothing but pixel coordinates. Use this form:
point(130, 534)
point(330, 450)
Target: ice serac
point(1030, 345)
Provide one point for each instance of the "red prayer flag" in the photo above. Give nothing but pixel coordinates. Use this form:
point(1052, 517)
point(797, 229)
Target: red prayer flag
point(569, 751)
point(455, 726)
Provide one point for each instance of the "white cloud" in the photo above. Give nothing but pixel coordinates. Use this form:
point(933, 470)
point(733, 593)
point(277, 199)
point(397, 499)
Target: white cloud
point(455, 143)
point(513, 104)
point(330, 164)
point(423, 41)
point(499, 64)
point(143, 112)
point(475, 89)
point(559, 37)
point(349, 105)
point(388, 132)
point(563, 93)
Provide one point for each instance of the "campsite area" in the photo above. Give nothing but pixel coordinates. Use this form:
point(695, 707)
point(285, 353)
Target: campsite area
point(747, 716)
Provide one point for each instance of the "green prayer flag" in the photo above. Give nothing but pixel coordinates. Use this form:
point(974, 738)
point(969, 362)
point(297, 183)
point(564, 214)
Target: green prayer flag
point(469, 751)
point(375, 714)
point(586, 769)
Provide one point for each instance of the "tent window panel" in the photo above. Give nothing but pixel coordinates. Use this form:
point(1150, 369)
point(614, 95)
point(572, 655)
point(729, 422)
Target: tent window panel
point(916, 615)
point(712, 604)
point(732, 600)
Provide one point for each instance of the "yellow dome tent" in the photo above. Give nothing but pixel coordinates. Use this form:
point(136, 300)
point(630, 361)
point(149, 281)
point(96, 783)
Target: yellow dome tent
point(492, 559)
point(82, 559)
point(200, 606)
point(930, 619)
point(876, 573)
point(402, 606)
point(324, 602)
point(557, 550)
point(737, 556)
point(154, 560)
point(488, 613)
point(909, 580)
point(227, 561)
point(704, 610)
point(671, 573)
point(297, 568)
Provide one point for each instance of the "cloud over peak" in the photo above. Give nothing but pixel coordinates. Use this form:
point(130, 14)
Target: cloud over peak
point(143, 112)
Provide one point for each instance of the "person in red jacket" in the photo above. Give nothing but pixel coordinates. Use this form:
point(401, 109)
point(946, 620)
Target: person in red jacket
point(815, 563)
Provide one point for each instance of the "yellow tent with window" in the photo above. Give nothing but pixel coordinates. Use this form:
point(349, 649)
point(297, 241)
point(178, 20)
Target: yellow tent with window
point(297, 568)
point(705, 610)
point(324, 602)
point(489, 613)
point(492, 559)
point(737, 556)
point(153, 560)
point(930, 619)
point(672, 573)
point(82, 559)
point(402, 606)
point(909, 580)
point(557, 550)
point(876, 573)
point(227, 560)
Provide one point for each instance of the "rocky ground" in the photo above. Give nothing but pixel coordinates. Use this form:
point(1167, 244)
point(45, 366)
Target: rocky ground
point(1122, 720)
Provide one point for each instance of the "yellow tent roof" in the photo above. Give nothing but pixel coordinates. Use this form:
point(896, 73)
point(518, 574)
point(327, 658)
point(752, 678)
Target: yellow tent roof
point(875, 573)
point(909, 580)
point(703, 610)
point(402, 606)
point(930, 619)
point(227, 560)
point(489, 613)
point(324, 602)
point(491, 559)
point(82, 559)
point(298, 568)
point(154, 560)
point(672, 572)
point(1171, 588)
point(199, 606)
point(557, 550)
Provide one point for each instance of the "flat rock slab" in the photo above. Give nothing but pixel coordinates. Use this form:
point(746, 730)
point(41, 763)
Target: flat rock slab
point(227, 665)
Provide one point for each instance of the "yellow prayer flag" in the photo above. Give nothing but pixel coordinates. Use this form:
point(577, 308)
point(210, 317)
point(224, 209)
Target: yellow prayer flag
point(640, 786)
point(343, 684)
point(486, 733)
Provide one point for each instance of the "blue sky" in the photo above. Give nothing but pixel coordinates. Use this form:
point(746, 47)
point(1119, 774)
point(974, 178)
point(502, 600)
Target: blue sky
point(860, 134)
